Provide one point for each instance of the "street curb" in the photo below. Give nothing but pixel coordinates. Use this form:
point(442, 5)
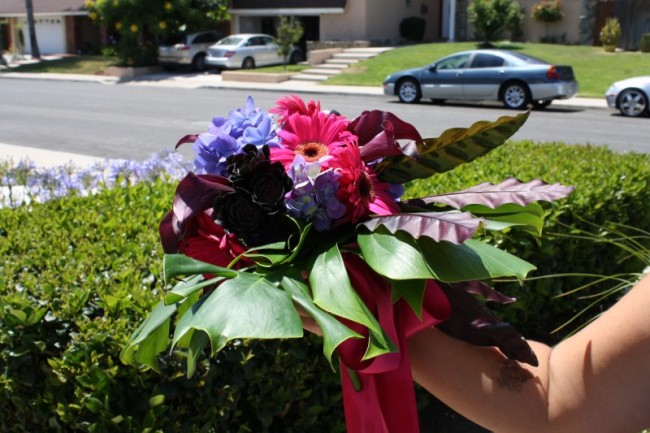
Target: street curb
point(290, 86)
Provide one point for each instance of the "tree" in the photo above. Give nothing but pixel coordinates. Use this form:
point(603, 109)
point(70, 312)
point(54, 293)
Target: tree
point(138, 25)
point(492, 18)
point(288, 31)
point(29, 8)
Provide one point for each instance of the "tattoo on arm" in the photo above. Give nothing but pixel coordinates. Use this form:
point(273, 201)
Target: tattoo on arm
point(512, 376)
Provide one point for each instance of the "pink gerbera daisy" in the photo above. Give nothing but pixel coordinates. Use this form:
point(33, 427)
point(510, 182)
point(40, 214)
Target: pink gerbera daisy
point(289, 105)
point(360, 191)
point(313, 136)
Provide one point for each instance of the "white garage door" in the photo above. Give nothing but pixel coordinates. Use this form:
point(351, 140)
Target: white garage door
point(50, 34)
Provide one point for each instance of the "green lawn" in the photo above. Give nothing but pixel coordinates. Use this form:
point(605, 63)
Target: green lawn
point(594, 69)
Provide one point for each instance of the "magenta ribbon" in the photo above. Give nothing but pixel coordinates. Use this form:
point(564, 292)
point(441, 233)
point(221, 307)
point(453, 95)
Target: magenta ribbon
point(385, 403)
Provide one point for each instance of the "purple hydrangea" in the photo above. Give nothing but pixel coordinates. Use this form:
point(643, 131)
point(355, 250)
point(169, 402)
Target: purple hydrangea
point(225, 137)
point(313, 196)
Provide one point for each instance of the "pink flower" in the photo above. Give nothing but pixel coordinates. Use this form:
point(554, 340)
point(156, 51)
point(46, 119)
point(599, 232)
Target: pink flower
point(361, 192)
point(290, 105)
point(314, 137)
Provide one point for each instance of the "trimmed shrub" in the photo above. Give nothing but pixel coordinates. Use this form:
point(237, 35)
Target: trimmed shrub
point(412, 28)
point(78, 275)
point(644, 43)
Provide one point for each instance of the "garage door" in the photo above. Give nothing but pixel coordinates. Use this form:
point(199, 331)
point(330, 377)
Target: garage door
point(50, 34)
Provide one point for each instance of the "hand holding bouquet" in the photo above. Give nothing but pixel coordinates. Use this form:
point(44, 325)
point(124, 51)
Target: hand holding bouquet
point(305, 212)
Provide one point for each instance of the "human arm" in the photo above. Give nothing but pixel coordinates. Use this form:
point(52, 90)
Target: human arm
point(597, 380)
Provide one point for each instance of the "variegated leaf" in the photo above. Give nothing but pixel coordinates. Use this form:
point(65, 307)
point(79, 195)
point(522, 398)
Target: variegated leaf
point(454, 147)
point(455, 227)
point(509, 191)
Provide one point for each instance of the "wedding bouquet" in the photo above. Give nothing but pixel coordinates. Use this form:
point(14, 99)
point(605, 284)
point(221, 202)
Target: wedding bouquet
point(299, 210)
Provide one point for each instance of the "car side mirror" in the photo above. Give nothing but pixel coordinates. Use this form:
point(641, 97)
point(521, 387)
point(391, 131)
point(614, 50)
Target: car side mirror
point(433, 68)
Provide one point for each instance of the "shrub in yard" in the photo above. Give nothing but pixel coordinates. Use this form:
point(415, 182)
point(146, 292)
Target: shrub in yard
point(610, 34)
point(492, 18)
point(609, 187)
point(547, 11)
point(644, 43)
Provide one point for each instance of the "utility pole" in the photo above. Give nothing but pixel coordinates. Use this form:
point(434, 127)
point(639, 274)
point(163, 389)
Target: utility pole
point(29, 6)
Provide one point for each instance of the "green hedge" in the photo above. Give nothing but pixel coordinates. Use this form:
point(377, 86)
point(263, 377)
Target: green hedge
point(610, 187)
point(78, 275)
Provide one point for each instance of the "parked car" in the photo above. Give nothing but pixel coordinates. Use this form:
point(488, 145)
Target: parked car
point(500, 75)
point(248, 51)
point(630, 96)
point(188, 49)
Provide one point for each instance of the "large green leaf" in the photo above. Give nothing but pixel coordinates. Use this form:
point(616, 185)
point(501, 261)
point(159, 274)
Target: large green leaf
point(334, 293)
point(454, 147)
point(187, 287)
point(247, 306)
point(150, 338)
point(413, 293)
point(281, 252)
point(334, 332)
point(473, 260)
point(395, 256)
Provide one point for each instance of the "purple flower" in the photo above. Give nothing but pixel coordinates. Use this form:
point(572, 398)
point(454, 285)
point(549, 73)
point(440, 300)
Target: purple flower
point(313, 196)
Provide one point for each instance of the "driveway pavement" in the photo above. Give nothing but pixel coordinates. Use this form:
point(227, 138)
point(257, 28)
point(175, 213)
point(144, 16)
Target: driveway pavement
point(198, 81)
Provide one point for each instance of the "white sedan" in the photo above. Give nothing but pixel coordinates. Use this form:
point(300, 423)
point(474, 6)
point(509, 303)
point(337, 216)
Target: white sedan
point(248, 51)
point(630, 96)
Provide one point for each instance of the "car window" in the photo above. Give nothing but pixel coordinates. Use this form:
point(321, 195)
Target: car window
point(482, 60)
point(255, 41)
point(454, 62)
point(231, 40)
point(267, 41)
point(528, 59)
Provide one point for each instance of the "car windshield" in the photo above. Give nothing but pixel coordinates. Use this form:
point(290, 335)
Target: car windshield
point(231, 40)
point(175, 39)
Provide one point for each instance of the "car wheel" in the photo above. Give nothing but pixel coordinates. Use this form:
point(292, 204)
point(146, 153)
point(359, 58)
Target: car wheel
point(295, 58)
point(408, 91)
point(198, 63)
point(515, 96)
point(540, 105)
point(248, 63)
point(632, 102)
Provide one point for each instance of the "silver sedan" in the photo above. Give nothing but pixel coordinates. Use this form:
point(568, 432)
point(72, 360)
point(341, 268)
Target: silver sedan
point(630, 96)
point(248, 51)
point(500, 75)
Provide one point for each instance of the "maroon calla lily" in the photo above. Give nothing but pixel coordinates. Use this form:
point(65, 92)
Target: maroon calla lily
point(195, 194)
point(378, 132)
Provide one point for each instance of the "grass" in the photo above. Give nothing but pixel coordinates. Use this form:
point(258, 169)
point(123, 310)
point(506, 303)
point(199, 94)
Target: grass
point(87, 65)
point(595, 69)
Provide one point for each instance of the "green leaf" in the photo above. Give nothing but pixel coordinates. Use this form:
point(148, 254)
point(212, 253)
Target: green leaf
point(413, 293)
point(175, 265)
point(395, 256)
point(454, 147)
point(280, 252)
point(187, 287)
point(334, 332)
point(473, 260)
point(149, 339)
point(247, 306)
point(530, 218)
point(334, 293)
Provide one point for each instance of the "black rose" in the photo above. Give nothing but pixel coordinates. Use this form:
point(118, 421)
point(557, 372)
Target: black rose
point(239, 215)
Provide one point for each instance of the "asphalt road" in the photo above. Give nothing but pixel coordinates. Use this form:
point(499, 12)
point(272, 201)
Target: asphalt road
point(130, 121)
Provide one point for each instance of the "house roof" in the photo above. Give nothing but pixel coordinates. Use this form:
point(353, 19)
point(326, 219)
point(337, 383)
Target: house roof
point(58, 7)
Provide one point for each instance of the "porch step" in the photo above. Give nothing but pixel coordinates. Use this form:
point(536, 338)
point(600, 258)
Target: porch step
point(337, 63)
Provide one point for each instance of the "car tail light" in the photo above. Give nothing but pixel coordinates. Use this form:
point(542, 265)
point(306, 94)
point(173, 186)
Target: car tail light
point(552, 73)
point(182, 47)
point(229, 54)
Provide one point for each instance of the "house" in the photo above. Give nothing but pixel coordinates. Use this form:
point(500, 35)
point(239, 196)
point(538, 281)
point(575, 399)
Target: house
point(62, 26)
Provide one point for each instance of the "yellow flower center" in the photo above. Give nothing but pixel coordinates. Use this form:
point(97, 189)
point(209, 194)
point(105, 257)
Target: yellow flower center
point(312, 151)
